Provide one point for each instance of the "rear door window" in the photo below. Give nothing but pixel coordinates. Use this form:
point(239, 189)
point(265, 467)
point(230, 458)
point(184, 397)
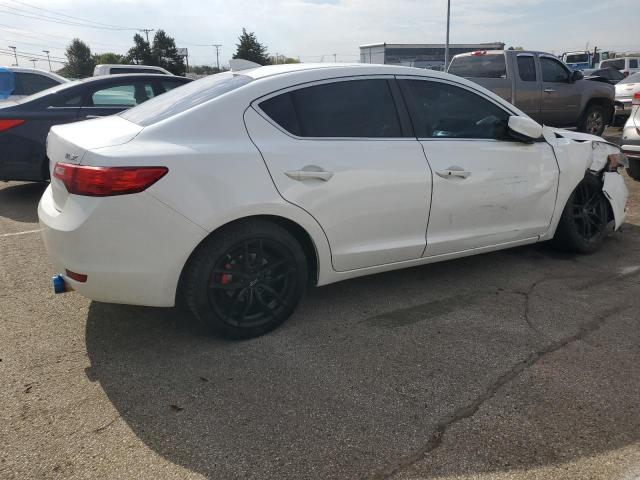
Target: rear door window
point(344, 109)
point(527, 68)
point(442, 110)
point(479, 65)
point(170, 84)
point(126, 95)
point(30, 83)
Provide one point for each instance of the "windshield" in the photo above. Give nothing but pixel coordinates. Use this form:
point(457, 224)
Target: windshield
point(183, 98)
point(577, 58)
point(617, 63)
point(633, 78)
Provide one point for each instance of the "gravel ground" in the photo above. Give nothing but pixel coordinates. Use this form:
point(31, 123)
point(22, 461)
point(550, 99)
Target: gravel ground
point(521, 364)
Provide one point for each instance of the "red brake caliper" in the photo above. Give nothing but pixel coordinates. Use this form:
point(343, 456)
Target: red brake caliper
point(226, 278)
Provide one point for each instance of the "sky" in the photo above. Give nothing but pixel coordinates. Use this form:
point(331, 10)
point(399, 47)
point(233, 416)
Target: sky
point(313, 30)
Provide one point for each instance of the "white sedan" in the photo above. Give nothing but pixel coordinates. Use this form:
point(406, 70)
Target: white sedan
point(237, 191)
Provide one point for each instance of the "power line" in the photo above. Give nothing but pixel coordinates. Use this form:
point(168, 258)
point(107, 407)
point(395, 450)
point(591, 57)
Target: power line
point(46, 18)
point(146, 32)
point(65, 15)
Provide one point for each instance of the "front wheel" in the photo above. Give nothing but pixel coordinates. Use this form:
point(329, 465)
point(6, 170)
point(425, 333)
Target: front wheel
point(246, 279)
point(585, 218)
point(594, 120)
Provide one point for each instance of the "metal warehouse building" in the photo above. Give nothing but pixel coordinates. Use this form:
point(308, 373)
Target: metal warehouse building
point(421, 55)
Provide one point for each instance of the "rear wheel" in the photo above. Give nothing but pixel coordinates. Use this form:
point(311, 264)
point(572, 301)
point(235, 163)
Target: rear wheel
point(584, 221)
point(594, 120)
point(246, 279)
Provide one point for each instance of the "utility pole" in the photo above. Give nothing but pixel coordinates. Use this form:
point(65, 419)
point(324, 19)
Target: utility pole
point(217, 46)
point(335, 58)
point(47, 52)
point(446, 45)
point(34, 60)
point(14, 54)
point(146, 32)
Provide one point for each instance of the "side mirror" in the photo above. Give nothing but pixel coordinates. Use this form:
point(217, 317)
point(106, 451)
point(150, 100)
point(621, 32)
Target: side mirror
point(576, 75)
point(524, 128)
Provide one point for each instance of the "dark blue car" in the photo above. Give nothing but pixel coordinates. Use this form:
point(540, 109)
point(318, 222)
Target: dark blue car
point(24, 126)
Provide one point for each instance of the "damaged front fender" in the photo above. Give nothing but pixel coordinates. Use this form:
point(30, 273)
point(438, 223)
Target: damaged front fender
point(616, 192)
point(577, 154)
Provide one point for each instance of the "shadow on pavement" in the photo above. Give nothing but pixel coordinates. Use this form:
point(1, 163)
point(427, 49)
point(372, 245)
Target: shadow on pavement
point(20, 202)
point(345, 389)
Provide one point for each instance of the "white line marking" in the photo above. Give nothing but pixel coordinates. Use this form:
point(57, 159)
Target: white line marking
point(18, 233)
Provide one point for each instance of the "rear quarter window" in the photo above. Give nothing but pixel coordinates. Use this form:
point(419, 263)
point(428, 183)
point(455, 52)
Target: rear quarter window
point(480, 66)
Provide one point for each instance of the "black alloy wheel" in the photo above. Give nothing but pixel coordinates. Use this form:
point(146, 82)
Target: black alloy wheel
point(245, 279)
point(585, 219)
point(590, 211)
point(252, 283)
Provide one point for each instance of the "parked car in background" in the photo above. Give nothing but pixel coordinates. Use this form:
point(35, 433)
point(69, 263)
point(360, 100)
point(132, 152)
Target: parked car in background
point(116, 69)
point(609, 75)
point(25, 125)
point(627, 65)
point(235, 192)
point(625, 90)
point(631, 137)
point(540, 85)
point(27, 81)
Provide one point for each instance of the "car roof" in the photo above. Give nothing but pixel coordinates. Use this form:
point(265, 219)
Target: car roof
point(37, 71)
point(335, 69)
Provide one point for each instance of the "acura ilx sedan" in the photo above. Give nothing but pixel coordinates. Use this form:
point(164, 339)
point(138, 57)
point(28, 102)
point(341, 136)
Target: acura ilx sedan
point(234, 193)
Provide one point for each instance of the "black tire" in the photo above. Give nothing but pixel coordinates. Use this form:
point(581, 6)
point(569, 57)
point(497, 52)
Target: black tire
point(246, 279)
point(594, 120)
point(585, 218)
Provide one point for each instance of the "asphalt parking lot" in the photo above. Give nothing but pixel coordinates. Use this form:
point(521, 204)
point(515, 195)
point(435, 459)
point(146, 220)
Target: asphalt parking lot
point(520, 364)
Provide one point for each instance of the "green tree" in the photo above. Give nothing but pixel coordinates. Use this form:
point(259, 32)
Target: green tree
point(204, 70)
point(165, 54)
point(279, 59)
point(140, 53)
point(80, 63)
point(108, 58)
point(250, 49)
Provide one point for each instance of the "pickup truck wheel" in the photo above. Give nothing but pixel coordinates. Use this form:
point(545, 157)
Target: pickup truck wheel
point(584, 221)
point(593, 121)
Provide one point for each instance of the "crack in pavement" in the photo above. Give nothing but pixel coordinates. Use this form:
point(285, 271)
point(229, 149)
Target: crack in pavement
point(469, 410)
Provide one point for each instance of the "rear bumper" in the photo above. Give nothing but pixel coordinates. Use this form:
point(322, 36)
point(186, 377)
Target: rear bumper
point(132, 247)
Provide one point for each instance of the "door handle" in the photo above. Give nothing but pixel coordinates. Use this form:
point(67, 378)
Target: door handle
point(549, 90)
point(309, 174)
point(452, 172)
point(93, 116)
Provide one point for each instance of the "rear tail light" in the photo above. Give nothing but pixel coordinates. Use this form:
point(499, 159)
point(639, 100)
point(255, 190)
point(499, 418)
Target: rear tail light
point(636, 98)
point(479, 53)
point(7, 124)
point(106, 181)
point(626, 74)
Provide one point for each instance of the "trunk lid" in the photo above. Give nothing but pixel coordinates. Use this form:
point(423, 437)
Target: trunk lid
point(68, 144)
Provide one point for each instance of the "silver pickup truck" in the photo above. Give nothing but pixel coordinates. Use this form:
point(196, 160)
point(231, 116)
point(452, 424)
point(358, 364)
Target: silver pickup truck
point(540, 85)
